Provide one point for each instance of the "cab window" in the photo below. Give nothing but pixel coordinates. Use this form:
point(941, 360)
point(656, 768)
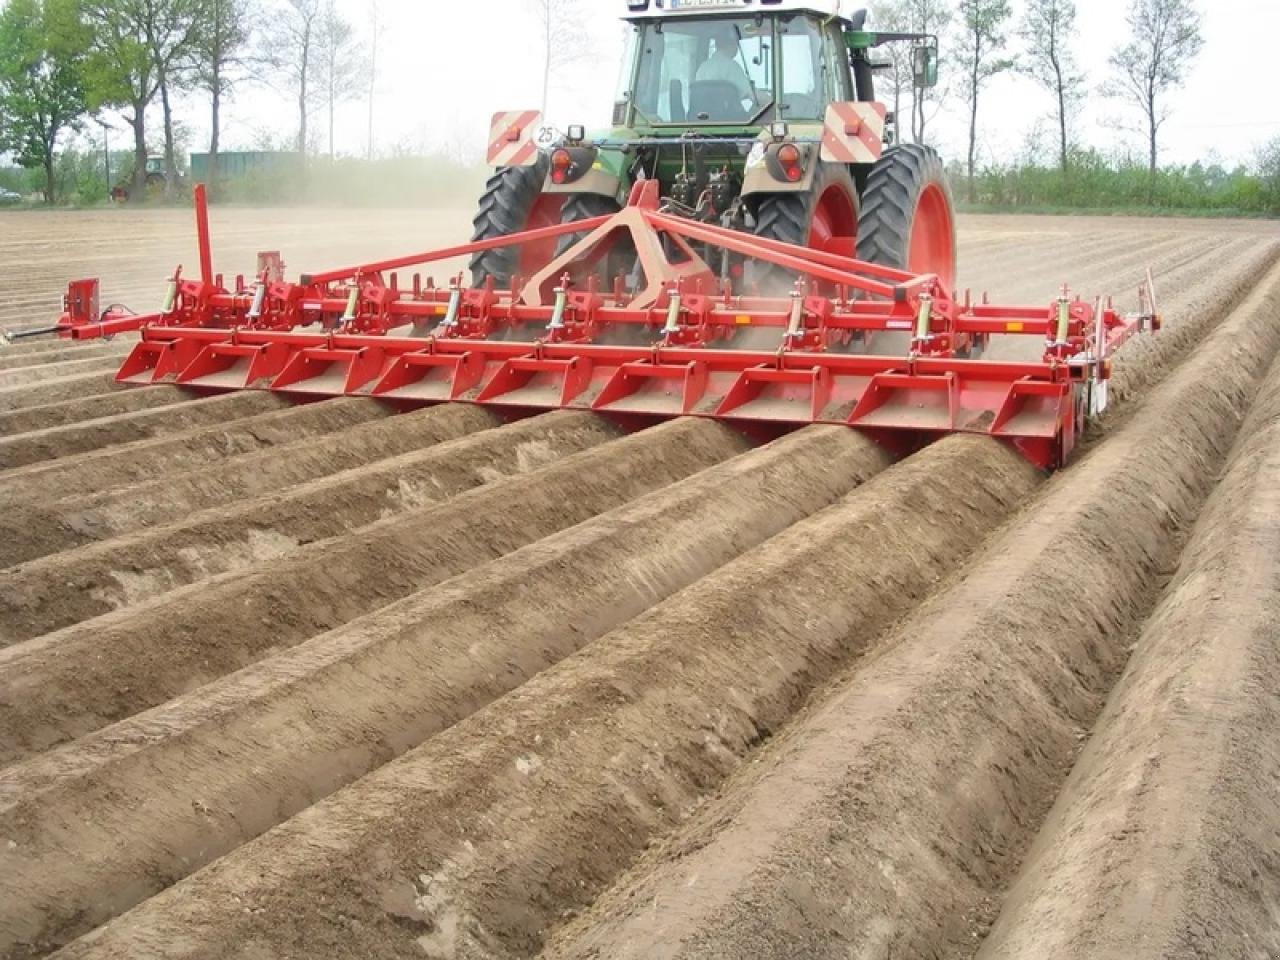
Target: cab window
point(806, 73)
point(705, 71)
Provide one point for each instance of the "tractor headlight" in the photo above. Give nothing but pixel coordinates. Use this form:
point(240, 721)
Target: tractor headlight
point(577, 133)
point(779, 130)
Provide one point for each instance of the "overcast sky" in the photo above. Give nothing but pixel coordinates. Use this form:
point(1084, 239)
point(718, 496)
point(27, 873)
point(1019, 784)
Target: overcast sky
point(445, 66)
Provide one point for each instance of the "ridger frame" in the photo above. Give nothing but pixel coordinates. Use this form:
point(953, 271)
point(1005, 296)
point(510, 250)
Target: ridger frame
point(536, 345)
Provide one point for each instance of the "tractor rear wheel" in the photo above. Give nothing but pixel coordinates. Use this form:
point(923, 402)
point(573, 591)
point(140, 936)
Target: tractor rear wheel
point(583, 206)
point(907, 219)
point(818, 219)
point(513, 201)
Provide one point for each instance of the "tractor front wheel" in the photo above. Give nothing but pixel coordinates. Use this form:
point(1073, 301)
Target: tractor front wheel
point(907, 220)
point(512, 202)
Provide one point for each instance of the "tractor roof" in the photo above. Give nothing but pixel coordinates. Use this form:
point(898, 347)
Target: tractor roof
point(657, 9)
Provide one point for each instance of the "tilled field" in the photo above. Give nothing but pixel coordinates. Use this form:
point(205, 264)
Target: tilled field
point(333, 681)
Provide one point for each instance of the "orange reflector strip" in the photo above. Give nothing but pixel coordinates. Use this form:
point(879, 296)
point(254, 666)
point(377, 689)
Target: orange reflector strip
point(1013, 327)
point(742, 320)
point(441, 311)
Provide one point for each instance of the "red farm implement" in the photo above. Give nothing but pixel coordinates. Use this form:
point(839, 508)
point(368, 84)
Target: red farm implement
point(668, 337)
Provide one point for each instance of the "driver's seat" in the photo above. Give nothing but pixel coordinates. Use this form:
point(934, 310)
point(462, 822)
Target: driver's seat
point(714, 100)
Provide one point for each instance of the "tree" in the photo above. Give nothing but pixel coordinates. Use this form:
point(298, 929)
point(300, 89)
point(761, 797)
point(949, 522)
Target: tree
point(1047, 29)
point(42, 48)
point(295, 56)
point(339, 62)
point(984, 22)
point(221, 56)
point(140, 49)
point(172, 31)
point(1163, 43)
point(564, 40)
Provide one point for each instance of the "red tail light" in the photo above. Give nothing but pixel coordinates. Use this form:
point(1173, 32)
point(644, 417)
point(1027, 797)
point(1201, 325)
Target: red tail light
point(561, 164)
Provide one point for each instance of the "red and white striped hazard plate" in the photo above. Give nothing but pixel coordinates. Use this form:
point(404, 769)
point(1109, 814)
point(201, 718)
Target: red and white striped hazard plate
point(853, 132)
point(513, 138)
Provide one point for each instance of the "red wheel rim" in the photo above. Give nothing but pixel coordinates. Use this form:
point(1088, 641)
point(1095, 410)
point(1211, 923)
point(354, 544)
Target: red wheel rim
point(933, 237)
point(834, 226)
point(545, 213)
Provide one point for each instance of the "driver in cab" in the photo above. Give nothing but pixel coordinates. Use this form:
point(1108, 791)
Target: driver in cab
point(724, 65)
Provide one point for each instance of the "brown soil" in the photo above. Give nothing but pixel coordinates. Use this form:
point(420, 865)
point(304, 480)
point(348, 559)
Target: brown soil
point(353, 699)
point(124, 428)
point(67, 684)
point(114, 466)
point(66, 588)
point(36, 373)
point(539, 799)
point(87, 351)
point(887, 820)
point(55, 391)
point(1163, 844)
point(88, 408)
point(220, 699)
point(75, 520)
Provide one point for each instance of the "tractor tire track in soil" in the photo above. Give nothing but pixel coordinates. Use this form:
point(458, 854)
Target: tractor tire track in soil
point(889, 818)
point(335, 681)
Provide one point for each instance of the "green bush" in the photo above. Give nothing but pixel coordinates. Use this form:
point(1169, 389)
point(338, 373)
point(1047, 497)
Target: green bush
point(1094, 183)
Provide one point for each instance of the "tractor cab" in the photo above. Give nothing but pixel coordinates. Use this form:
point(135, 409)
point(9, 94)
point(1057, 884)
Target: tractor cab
point(732, 71)
point(758, 116)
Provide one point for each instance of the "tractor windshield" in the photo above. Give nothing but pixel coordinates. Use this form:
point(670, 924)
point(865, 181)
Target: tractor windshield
point(741, 70)
point(705, 71)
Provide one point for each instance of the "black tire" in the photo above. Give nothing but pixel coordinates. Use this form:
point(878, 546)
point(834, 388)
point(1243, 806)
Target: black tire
point(889, 206)
point(583, 206)
point(505, 207)
point(788, 217)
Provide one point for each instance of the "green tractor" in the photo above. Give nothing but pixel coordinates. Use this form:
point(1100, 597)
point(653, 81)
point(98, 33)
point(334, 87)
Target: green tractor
point(755, 115)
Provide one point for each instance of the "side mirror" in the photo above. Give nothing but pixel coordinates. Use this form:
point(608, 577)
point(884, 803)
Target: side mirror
point(924, 66)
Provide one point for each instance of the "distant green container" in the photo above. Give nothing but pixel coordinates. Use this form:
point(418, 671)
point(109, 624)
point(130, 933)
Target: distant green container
point(241, 163)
